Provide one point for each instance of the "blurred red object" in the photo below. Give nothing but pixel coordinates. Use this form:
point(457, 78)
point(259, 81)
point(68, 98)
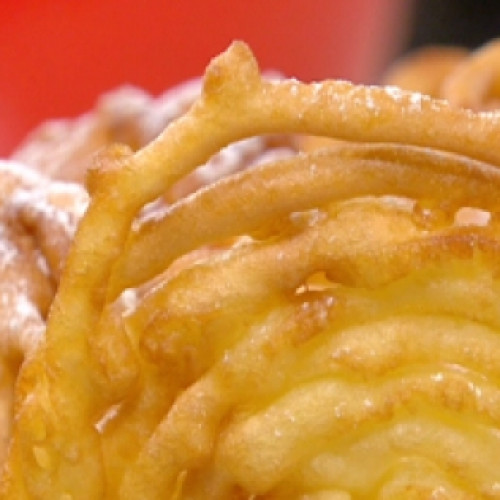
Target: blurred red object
point(57, 56)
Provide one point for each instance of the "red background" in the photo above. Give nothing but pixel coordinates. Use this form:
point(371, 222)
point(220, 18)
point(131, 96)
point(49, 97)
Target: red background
point(57, 56)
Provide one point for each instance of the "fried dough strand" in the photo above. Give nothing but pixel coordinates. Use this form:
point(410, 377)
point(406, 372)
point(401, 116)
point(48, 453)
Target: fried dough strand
point(467, 79)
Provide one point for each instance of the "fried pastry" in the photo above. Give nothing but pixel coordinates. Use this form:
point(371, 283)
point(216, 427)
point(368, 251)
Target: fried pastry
point(321, 325)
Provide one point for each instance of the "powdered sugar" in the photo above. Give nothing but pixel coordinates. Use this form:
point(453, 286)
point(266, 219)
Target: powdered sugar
point(62, 203)
point(25, 284)
point(228, 160)
point(8, 250)
point(24, 176)
point(21, 324)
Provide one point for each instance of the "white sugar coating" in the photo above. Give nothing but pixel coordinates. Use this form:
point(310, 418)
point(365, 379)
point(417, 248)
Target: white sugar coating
point(75, 204)
point(129, 301)
point(42, 264)
point(22, 308)
point(28, 177)
point(316, 88)
point(8, 251)
point(272, 155)
point(229, 159)
point(37, 203)
point(490, 113)
point(395, 92)
point(370, 102)
point(294, 86)
point(152, 212)
point(368, 96)
point(21, 325)
point(342, 93)
point(43, 201)
point(74, 193)
point(110, 414)
point(414, 100)
point(470, 216)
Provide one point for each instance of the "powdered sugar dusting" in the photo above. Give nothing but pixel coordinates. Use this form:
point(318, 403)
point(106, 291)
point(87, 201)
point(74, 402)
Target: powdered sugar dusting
point(25, 284)
point(228, 160)
point(343, 94)
point(129, 301)
point(469, 216)
point(21, 324)
point(108, 417)
point(21, 308)
point(25, 176)
point(411, 101)
point(8, 251)
point(62, 203)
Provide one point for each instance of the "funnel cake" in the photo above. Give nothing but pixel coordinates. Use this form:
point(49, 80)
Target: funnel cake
point(320, 326)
